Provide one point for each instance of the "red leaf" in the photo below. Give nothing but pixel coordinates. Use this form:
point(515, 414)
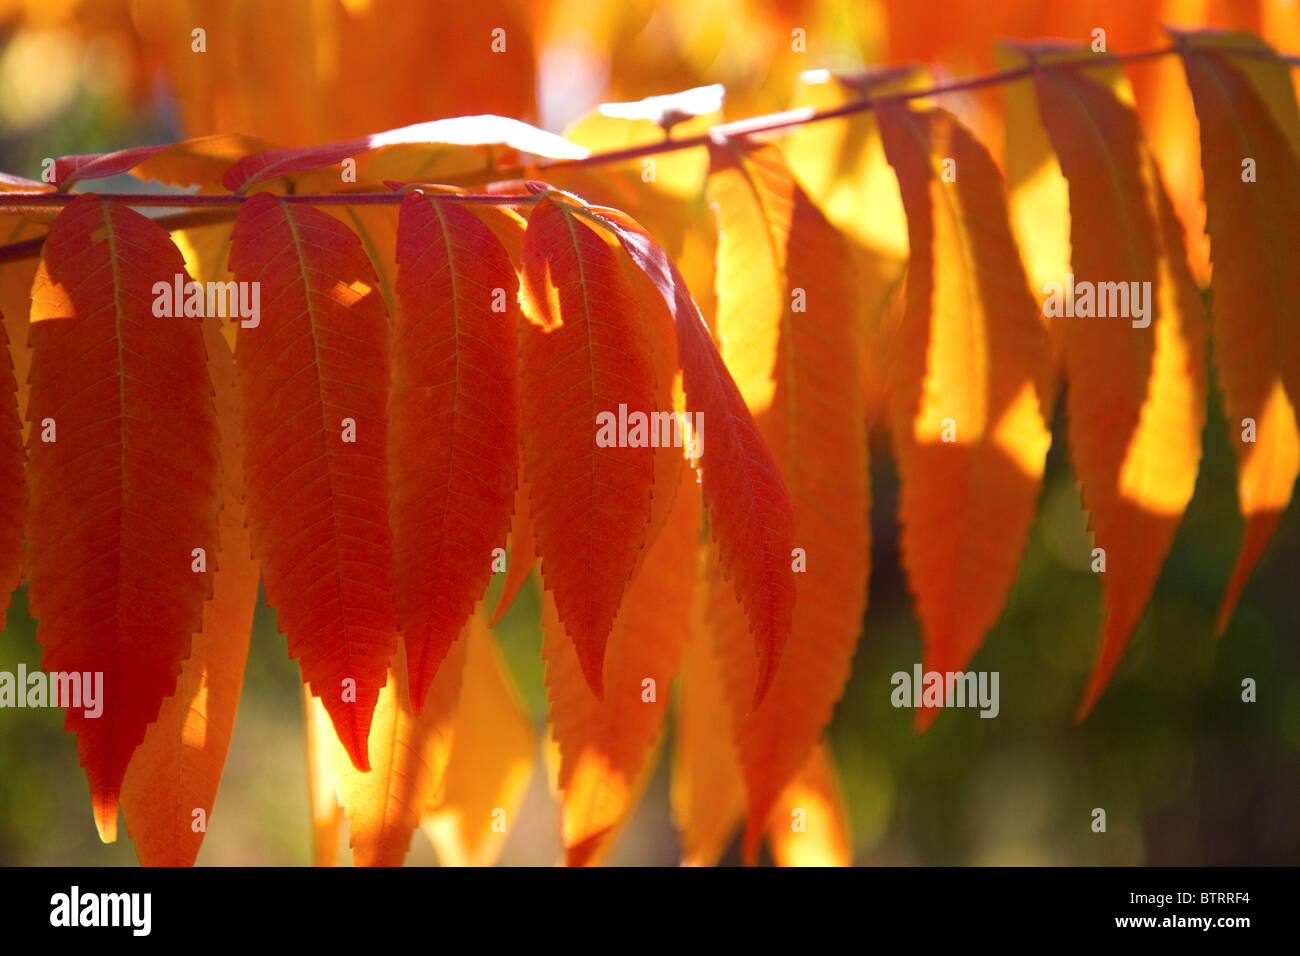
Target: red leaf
point(454, 412)
point(318, 505)
point(582, 353)
point(198, 161)
point(13, 480)
point(177, 767)
point(523, 552)
point(813, 421)
point(129, 485)
point(606, 746)
point(750, 515)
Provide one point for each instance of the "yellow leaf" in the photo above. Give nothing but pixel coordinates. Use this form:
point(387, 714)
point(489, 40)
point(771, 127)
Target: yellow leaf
point(491, 760)
point(971, 355)
point(708, 794)
point(809, 824)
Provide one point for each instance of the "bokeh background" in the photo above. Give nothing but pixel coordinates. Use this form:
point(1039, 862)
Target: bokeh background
point(1187, 772)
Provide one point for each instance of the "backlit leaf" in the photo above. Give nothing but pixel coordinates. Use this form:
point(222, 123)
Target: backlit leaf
point(408, 758)
point(747, 499)
point(605, 744)
point(454, 422)
point(1254, 229)
point(176, 769)
point(493, 749)
point(1136, 400)
point(583, 353)
point(129, 485)
point(814, 425)
point(708, 792)
point(317, 504)
point(967, 427)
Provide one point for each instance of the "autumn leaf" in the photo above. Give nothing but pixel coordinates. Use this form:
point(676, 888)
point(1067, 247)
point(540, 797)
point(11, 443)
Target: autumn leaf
point(484, 130)
point(408, 757)
point(313, 374)
point(814, 423)
point(13, 480)
point(193, 162)
point(582, 355)
point(708, 791)
point(605, 744)
point(1252, 211)
point(454, 423)
point(1038, 202)
point(171, 782)
point(492, 754)
point(747, 499)
point(967, 426)
point(842, 165)
point(752, 198)
point(1136, 400)
point(123, 477)
point(810, 824)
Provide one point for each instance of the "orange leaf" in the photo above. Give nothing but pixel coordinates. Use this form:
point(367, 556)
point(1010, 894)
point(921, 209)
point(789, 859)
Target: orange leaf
point(454, 414)
point(128, 486)
point(318, 502)
point(708, 792)
point(376, 227)
point(1136, 400)
point(15, 305)
point(582, 355)
point(605, 745)
point(408, 757)
point(814, 422)
point(1254, 229)
point(1038, 201)
point(523, 552)
point(326, 814)
point(493, 748)
point(752, 195)
point(810, 824)
point(749, 504)
point(970, 349)
point(174, 773)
